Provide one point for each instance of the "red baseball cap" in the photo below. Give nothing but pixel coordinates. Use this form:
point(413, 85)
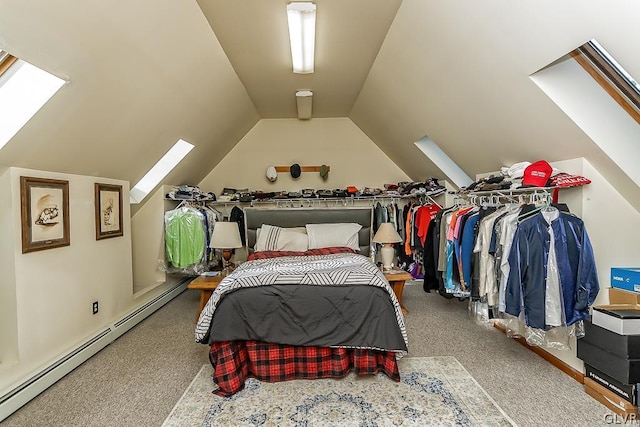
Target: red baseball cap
point(537, 174)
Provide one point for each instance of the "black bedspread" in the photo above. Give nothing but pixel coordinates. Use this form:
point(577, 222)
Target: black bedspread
point(302, 315)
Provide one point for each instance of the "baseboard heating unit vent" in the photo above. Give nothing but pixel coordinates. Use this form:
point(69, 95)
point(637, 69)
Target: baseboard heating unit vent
point(31, 387)
point(139, 314)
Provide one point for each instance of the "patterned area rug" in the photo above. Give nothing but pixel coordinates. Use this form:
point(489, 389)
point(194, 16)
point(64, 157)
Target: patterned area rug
point(433, 391)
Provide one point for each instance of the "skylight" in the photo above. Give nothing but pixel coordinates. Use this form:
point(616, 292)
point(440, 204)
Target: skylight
point(610, 75)
point(24, 89)
point(453, 172)
point(603, 100)
point(161, 169)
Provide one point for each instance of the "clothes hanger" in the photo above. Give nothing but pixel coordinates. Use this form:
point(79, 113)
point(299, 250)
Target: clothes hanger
point(546, 204)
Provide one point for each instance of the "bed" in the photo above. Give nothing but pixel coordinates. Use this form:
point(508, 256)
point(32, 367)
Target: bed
point(303, 312)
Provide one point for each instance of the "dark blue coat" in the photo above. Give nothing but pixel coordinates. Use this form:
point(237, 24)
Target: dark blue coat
point(526, 285)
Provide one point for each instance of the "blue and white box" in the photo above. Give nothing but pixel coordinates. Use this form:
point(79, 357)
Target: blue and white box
point(626, 278)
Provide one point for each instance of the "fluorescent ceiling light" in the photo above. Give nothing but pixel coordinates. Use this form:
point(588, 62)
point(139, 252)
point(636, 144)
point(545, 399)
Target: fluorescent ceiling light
point(302, 35)
point(157, 173)
point(24, 89)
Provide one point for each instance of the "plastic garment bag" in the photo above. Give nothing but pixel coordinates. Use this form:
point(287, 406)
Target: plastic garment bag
point(185, 240)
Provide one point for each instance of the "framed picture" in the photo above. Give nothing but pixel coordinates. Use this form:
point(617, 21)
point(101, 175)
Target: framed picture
point(108, 211)
point(44, 213)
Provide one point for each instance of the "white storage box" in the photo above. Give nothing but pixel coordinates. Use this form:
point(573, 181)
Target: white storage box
point(618, 318)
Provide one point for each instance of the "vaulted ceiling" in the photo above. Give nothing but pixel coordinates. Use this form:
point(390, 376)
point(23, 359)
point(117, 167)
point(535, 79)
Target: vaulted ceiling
point(142, 74)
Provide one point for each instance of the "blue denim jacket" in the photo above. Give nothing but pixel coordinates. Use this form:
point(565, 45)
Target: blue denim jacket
point(526, 285)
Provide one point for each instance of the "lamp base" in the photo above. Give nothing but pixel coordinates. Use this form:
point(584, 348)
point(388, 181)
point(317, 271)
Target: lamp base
point(227, 266)
point(387, 253)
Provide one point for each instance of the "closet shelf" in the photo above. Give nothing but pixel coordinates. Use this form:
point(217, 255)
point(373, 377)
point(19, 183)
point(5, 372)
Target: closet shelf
point(330, 201)
point(525, 190)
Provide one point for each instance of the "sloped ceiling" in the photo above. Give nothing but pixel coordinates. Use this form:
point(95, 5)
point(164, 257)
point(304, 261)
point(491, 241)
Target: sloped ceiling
point(458, 71)
point(144, 73)
point(255, 36)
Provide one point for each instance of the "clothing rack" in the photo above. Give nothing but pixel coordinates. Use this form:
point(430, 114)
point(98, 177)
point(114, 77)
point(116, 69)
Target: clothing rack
point(327, 201)
point(192, 203)
point(534, 195)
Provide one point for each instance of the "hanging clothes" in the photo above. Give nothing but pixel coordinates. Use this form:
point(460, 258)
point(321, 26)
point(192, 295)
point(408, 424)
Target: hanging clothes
point(237, 215)
point(528, 259)
point(529, 265)
point(185, 239)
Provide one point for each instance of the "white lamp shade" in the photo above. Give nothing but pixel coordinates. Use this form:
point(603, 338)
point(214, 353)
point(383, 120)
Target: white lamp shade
point(387, 234)
point(226, 235)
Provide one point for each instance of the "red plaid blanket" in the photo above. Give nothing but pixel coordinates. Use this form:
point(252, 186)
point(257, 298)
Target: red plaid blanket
point(235, 361)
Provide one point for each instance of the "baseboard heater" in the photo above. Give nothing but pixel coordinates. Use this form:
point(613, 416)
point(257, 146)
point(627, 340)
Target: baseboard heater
point(35, 385)
point(133, 318)
point(30, 388)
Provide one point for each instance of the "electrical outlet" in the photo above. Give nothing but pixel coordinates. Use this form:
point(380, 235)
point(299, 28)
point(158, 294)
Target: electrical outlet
point(95, 307)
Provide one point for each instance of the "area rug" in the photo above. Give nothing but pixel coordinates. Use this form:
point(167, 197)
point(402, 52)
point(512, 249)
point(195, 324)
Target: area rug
point(433, 391)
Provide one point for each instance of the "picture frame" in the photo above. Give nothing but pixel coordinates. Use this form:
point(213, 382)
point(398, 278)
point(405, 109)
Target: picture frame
point(44, 213)
point(108, 211)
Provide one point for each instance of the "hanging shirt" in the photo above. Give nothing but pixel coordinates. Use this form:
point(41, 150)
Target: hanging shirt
point(487, 286)
point(508, 227)
point(185, 237)
point(424, 216)
point(466, 248)
point(528, 261)
point(407, 226)
point(237, 215)
point(552, 301)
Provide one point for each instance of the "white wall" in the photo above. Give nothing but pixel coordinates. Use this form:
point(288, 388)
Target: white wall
point(612, 226)
point(148, 245)
point(336, 142)
point(54, 289)
point(8, 313)
point(147, 231)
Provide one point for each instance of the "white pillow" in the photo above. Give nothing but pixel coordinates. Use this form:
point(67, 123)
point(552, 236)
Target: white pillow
point(296, 229)
point(272, 238)
point(330, 235)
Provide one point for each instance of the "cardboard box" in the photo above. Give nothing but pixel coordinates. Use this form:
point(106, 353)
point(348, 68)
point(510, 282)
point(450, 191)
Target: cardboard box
point(626, 371)
point(624, 346)
point(611, 401)
point(628, 392)
point(626, 278)
point(620, 296)
point(622, 319)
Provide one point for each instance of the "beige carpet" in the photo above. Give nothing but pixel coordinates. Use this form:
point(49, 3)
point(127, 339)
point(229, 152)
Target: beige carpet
point(433, 391)
point(138, 379)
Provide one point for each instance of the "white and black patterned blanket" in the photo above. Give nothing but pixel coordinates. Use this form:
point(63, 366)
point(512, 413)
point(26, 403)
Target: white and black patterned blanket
point(318, 270)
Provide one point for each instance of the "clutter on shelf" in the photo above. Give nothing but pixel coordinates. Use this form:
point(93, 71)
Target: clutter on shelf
point(524, 175)
point(190, 192)
point(430, 187)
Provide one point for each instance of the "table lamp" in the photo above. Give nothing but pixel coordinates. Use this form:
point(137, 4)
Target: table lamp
point(226, 236)
point(387, 236)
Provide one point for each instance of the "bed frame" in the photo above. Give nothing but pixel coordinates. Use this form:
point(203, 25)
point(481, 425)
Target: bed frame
point(299, 217)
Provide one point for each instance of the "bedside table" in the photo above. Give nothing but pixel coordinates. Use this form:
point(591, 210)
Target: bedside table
point(206, 285)
point(396, 279)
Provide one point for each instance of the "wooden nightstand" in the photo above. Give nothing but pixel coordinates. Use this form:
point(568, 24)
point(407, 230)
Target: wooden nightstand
point(396, 280)
point(206, 285)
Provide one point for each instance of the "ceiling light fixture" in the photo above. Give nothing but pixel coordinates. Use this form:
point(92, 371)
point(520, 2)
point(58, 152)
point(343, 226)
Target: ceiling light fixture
point(302, 35)
point(304, 100)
